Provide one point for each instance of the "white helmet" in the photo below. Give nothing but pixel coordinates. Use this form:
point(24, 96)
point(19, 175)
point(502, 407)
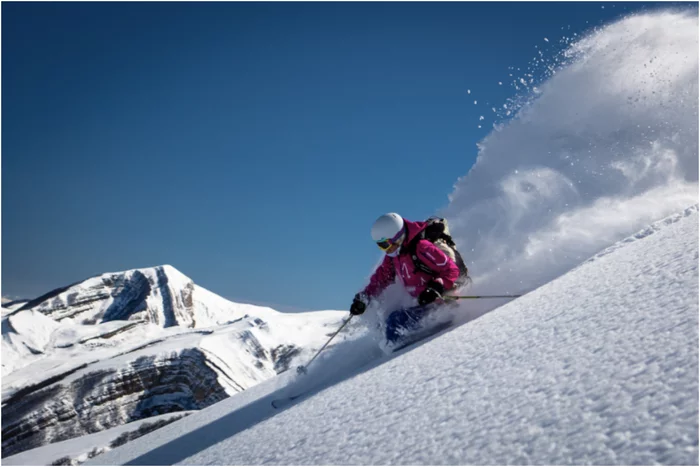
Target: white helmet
point(389, 233)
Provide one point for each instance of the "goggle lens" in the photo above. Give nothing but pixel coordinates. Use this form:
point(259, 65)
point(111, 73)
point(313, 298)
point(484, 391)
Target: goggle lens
point(384, 245)
point(387, 244)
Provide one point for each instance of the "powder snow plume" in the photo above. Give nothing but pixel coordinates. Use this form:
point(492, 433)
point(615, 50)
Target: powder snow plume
point(607, 145)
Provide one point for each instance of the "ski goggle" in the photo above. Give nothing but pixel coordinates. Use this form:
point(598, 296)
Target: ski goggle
point(387, 244)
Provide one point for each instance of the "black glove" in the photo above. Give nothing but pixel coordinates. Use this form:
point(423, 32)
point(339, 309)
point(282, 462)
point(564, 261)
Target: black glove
point(433, 291)
point(359, 305)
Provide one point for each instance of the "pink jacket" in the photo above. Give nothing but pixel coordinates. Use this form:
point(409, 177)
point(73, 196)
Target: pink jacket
point(413, 280)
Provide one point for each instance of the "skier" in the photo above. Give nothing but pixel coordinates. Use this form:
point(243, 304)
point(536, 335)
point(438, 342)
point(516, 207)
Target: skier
point(425, 271)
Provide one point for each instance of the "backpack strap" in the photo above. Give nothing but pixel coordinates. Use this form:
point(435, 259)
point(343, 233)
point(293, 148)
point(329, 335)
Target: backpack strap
point(410, 249)
point(419, 265)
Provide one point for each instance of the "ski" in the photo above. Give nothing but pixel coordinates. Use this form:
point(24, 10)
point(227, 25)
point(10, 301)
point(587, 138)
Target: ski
point(280, 403)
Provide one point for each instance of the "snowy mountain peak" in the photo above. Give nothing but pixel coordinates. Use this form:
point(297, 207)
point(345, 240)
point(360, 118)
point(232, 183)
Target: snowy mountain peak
point(161, 295)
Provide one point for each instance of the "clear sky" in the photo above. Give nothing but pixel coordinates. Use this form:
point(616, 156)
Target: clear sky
point(249, 145)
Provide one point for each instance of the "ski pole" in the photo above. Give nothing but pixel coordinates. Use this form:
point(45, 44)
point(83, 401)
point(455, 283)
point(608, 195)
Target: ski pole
point(458, 297)
point(302, 369)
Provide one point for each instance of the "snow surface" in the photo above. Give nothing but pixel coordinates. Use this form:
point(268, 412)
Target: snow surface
point(9, 305)
point(600, 366)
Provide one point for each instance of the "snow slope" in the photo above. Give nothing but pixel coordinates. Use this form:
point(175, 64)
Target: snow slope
point(600, 366)
point(9, 305)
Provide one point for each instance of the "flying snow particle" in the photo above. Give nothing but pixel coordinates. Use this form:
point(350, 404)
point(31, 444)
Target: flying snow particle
point(500, 83)
point(546, 40)
point(481, 117)
point(474, 102)
point(469, 91)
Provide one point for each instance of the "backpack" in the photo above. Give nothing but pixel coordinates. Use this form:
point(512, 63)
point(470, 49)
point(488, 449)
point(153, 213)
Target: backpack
point(437, 232)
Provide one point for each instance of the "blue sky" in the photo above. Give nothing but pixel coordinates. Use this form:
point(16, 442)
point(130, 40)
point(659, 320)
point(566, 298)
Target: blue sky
point(249, 145)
